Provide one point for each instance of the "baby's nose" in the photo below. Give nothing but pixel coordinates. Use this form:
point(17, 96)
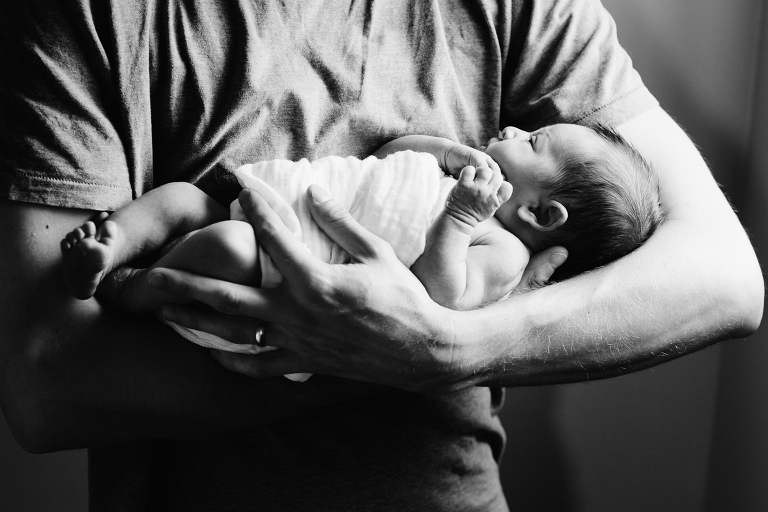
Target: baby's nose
point(510, 132)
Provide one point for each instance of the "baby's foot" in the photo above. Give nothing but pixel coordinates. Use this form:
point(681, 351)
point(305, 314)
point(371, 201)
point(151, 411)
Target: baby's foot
point(88, 254)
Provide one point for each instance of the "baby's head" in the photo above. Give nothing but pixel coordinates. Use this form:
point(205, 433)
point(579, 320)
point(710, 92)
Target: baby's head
point(586, 189)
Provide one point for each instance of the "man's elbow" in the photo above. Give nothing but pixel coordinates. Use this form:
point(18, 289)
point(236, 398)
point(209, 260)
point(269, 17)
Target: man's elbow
point(29, 402)
point(752, 307)
point(745, 293)
point(29, 438)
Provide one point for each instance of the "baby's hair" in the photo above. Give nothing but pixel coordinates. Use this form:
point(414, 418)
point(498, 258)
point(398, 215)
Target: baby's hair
point(613, 203)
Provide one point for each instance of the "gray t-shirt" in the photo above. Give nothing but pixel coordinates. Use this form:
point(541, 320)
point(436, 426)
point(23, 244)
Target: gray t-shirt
point(102, 101)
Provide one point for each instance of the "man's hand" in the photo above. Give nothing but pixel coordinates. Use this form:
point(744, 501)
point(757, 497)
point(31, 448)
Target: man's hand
point(540, 269)
point(369, 320)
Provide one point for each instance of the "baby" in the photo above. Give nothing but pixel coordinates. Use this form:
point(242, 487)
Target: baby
point(583, 188)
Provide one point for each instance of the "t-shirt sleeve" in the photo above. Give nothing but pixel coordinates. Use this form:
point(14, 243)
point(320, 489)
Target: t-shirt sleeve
point(60, 140)
point(570, 68)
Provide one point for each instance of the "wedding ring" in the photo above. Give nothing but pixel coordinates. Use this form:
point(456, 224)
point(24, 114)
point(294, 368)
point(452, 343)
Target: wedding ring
point(260, 337)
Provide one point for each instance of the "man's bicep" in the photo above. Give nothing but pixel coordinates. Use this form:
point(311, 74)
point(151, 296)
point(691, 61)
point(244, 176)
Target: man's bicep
point(74, 374)
point(688, 190)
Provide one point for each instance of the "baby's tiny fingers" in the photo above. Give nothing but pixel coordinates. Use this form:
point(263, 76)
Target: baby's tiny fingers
point(490, 162)
point(496, 180)
point(505, 192)
point(483, 175)
point(467, 175)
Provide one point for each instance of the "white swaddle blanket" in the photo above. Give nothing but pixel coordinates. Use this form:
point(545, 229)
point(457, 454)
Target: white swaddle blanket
point(396, 198)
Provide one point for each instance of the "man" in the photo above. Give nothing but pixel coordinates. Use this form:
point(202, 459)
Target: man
point(101, 103)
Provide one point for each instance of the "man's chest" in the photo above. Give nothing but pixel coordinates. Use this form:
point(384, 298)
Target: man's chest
point(243, 81)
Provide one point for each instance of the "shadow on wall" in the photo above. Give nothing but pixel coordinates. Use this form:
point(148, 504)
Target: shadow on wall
point(538, 472)
point(633, 444)
point(739, 463)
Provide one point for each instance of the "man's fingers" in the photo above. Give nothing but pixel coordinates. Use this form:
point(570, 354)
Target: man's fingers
point(541, 267)
point(286, 251)
point(223, 296)
point(260, 366)
point(339, 225)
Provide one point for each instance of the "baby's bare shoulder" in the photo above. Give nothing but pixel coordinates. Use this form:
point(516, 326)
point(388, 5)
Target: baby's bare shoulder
point(491, 235)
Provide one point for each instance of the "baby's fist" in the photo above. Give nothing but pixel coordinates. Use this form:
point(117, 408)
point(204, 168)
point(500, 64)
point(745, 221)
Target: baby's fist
point(478, 194)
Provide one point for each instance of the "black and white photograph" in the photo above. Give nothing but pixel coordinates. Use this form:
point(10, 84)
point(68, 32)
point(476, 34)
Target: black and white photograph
point(383, 255)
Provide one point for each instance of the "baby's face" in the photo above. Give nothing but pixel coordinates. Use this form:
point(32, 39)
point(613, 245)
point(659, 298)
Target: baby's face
point(525, 158)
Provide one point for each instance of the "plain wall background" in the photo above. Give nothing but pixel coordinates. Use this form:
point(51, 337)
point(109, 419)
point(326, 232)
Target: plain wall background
point(686, 436)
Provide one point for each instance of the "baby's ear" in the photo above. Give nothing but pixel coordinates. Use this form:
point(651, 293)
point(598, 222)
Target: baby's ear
point(553, 215)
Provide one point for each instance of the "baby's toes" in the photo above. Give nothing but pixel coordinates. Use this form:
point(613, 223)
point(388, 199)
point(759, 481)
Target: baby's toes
point(89, 229)
point(107, 232)
point(74, 236)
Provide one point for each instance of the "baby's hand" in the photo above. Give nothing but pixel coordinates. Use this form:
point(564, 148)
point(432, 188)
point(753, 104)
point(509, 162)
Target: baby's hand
point(477, 195)
point(459, 156)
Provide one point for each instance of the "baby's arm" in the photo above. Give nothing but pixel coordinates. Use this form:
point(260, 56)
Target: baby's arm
point(451, 156)
point(141, 227)
point(469, 258)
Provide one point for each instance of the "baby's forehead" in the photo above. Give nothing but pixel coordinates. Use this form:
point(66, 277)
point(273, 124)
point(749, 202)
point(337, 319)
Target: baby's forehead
point(573, 139)
point(572, 132)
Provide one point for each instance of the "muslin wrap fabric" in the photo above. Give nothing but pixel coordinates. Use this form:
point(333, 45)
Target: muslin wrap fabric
point(396, 198)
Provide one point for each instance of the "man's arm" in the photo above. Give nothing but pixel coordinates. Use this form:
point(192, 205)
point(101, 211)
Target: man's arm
point(695, 282)
point(74, 374)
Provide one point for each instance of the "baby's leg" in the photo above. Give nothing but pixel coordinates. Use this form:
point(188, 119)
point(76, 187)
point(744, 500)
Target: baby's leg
point(93, 250)
point(226, 250)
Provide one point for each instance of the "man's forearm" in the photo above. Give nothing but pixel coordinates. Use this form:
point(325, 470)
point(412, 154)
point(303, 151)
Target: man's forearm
point(117, 379)
point(610, 322)
point(73, 374)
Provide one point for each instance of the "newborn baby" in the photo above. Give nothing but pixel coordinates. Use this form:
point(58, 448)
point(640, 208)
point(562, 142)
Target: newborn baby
point(468, 239)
